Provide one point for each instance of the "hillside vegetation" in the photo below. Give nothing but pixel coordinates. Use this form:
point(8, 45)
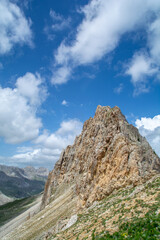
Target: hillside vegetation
point(11, 210)
point(130, 213)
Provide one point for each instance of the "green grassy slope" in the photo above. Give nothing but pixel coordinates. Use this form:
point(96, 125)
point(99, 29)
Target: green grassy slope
point(13, 209)
point(130, 213)
point(146, 228)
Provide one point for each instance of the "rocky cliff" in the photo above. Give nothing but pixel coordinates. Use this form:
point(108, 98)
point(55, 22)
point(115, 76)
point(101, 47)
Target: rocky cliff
point(109, 154)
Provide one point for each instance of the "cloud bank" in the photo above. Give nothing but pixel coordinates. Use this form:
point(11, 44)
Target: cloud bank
point(48, 146)
point(150, 128)
point(18, 107)
point(15, 28)
point(104, 23)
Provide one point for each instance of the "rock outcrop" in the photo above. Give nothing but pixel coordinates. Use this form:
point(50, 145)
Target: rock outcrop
point(109, 154)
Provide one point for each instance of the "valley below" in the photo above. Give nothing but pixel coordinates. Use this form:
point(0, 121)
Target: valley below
point(13, 214)
point(18, 183)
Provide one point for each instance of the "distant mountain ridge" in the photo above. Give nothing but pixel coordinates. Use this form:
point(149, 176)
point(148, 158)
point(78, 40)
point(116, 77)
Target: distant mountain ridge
point(28, 172)
point(21, 182)
point(41, 171)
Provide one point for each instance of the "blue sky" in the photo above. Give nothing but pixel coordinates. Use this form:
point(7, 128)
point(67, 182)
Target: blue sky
point(60, 59)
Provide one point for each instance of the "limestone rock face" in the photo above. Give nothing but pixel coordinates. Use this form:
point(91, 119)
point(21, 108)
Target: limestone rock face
point(109, 154)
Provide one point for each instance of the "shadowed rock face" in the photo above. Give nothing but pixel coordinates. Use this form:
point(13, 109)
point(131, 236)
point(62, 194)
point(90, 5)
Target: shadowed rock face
point(109, 154)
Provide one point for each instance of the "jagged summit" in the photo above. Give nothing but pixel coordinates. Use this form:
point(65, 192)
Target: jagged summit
point(109, 154)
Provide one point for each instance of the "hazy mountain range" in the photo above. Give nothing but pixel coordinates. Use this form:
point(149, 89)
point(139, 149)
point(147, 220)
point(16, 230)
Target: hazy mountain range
point(20, 182)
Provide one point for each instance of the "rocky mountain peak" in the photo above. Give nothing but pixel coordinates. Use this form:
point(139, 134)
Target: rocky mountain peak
point(32, 172)
point(109, 154)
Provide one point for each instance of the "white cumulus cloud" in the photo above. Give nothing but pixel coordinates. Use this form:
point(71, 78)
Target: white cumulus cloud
point(61, 75)
point(14, 27)
point(153, 39)
point(63, 136)
point(99, 33)
point(48, 146)
point(18, 120)
point(64, 103)
point(148, 123)
point(140, 68)
point(29, 87)
point(150, 128)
